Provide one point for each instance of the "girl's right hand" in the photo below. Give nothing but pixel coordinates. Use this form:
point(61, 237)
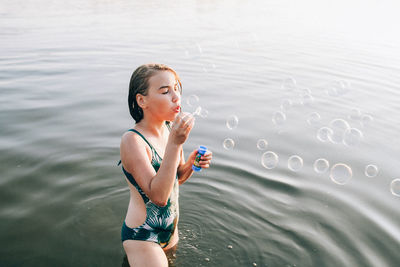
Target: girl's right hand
point(181, 127)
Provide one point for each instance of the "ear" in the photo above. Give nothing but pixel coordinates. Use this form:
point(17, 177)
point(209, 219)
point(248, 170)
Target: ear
point(141, 100)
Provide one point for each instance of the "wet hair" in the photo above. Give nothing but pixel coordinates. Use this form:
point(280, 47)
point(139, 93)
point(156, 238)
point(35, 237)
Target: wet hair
point(139, 84)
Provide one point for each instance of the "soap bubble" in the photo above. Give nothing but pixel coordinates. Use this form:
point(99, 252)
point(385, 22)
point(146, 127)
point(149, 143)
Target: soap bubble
point(324, 134)
point(346, 83)
point(395, 187)
point(289, 84)
point(338, 84)
point(371, 170)
point(340, 173)
point(269, 160)
point(307, 99)
point(228, 144)
point(197, 111)
point(313, 118)
point(366, 119)
point(338, 88)
point(306, 91)
point(286, 104)
point(278, 118)
point(338, 126)
point(295, 163)
point(321, 165)
point(352, 137)
point(232, 122)
point(262, 144)
point(343, 87)
point(355, 114)
point(332, 91)
point(192, 100)
point(203, 113)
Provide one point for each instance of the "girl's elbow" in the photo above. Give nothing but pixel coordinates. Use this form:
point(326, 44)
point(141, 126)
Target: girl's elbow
point(158, 199)
point(161, 202)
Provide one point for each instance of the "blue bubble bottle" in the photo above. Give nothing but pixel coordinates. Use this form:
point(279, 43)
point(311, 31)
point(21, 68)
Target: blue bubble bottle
point(196, 164)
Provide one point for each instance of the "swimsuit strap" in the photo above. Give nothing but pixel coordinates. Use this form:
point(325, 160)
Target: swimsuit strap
point(168, 124)
point(141, 135)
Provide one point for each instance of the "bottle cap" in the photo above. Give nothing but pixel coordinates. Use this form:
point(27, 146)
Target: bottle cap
point(195, 168)
point(202, 149)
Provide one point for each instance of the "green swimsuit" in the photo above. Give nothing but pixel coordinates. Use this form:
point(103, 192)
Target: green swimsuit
point(160, 222)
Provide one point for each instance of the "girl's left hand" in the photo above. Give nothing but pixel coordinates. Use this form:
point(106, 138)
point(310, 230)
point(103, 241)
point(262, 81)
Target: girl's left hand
point(205, 160)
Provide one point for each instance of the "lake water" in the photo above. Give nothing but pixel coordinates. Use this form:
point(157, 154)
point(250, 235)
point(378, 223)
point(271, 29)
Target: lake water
point(64, 73)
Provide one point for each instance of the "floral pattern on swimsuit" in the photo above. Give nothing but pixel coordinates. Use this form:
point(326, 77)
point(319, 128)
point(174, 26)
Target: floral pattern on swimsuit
point(160, 222)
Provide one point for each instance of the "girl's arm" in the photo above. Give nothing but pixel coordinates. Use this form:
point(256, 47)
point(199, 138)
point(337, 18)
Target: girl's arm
point(185, 168)
point(136, 159)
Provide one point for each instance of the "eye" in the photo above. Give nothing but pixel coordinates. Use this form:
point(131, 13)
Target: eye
point(166, 91)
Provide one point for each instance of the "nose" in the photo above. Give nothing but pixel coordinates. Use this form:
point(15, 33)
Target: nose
point(176, 97)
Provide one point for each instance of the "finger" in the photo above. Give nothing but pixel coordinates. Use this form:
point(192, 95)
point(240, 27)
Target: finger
point(208, 153)
point(177, 121)
point(185, 115)
point(193, 154)
point(206, 158)
point(186, 120)
point(180, 121)
point(205, 166)
point(189, 124)
point(204, 162)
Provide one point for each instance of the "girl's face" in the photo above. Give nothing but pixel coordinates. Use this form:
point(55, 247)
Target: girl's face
point(163, 100)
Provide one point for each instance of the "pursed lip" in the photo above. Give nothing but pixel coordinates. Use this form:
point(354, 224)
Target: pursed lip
point(177, 109)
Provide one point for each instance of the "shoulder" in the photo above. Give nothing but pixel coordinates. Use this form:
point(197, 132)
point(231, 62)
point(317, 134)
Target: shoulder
point(130, 137)
point(130, 140)
point(133, 146)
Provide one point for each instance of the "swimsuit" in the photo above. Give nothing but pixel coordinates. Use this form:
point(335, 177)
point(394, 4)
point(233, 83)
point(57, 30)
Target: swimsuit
point(160, 222)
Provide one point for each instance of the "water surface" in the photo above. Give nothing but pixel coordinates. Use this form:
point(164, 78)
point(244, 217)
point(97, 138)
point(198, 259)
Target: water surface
point(64, 74)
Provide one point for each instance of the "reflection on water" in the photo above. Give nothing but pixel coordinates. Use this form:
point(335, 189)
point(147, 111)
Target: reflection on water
point(297, 100)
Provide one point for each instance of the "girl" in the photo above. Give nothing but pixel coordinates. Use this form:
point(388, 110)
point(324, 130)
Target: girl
point(152, 160)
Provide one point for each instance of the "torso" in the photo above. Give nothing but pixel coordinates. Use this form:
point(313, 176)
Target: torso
point(138, 210)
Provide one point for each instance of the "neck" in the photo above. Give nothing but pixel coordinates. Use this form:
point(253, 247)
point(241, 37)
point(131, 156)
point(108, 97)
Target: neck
point(153, 127)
